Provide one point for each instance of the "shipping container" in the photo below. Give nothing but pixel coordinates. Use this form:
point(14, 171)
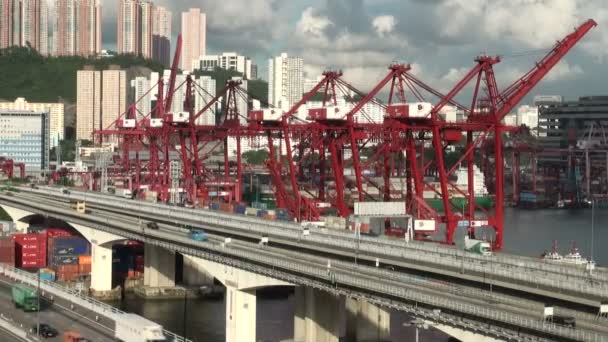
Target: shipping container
point(214, 206)
point(7, 227)
point(69, 245)
point(84, 269)
point(240, 209)
point(53, 232)
point(84, 260)
point(7, 251)
point(384, 209)
point(30, 250)
point(59, 260)
point(251, 211)
point(259, 205)
point(262, 213)
point(227, 208)
point(47, 276)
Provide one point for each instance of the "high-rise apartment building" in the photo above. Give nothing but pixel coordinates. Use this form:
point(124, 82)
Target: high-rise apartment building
point(77, 28)
point(194, 32)
point(128, 27)
point(285, 80)
point(161, 36)
point(202, 97)
point(113, 96)
point(55, 110)
point(101, 99)
point(88, 102)
point(24, 23)
point(143, 30)
point(141, 86)
point(147, 28)
point(9, 22)
point(228, 61)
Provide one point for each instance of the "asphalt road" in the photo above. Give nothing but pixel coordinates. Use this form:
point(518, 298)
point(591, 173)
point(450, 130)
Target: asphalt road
point(53, 314)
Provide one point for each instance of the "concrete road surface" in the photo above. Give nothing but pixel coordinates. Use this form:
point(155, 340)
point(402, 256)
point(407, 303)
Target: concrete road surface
point(54, 315)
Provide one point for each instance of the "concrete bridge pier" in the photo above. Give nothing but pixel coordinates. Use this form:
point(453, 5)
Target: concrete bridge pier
point(194, 274)
point(318, 316)
point(366, 322)
point(159, 266)
point(101, 268)
point(240, 315)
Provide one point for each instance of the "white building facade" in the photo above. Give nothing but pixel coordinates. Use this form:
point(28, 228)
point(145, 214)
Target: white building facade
point(55, 110)
point(229, 61)
point(285, 81)
point(24, 138)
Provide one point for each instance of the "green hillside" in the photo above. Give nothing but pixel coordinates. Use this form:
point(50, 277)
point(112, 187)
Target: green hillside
point(258, 89)
point(27, 74)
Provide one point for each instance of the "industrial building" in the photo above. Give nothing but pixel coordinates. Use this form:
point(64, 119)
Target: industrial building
point(25, 138)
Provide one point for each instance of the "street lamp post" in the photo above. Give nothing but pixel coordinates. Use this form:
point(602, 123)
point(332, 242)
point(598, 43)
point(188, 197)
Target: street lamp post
point(38, 312)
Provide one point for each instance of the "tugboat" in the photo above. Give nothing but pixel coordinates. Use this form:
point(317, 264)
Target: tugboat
point(553, 256)
point(574, 257)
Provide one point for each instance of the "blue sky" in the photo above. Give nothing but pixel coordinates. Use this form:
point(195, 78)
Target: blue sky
point(439, 38)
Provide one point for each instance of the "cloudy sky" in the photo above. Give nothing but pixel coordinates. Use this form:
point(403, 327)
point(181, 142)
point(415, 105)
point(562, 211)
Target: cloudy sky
point(438, 37)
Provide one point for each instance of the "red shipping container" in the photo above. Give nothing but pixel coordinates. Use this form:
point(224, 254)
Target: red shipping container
point(21, 238)
point(84, 268)
point(68, 268)
point(52, 232)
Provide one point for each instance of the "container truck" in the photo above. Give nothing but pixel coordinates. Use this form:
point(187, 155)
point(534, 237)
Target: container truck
point(134, 328)
point(25, 298)
point(477, 246)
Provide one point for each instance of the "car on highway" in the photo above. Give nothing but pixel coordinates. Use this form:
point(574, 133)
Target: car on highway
point(46, 330)
point(567, 321)
point(152, 225)
point(198, 235)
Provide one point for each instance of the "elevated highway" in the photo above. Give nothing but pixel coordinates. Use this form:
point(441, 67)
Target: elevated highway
point(411, 277)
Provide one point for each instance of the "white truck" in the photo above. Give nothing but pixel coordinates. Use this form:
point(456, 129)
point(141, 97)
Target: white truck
point(134, 328)
point(477, 246)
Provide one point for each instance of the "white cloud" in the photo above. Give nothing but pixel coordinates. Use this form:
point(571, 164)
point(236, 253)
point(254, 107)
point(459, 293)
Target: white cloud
point(311, 24)
point(384, 24)
point(564, 71)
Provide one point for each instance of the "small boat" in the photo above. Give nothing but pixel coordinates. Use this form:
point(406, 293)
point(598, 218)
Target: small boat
point(553, 256)
point(574, 257)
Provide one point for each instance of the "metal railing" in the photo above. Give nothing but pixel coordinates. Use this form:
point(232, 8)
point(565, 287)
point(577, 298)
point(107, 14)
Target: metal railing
point(436, 255)
point(73, 296)
point(276, 268)
point(15, 329)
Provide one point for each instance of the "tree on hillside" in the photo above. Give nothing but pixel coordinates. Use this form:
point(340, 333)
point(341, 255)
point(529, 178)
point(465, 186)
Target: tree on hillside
point(256, 157)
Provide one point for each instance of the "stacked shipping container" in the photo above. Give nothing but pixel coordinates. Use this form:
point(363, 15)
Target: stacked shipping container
point(30, 250)
point(7, 251)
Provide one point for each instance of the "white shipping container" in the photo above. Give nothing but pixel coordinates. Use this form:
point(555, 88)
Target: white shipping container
point(425, 225)
point(272, 114)
point(156, 122)
point(384, 209)
point(128, 123)
point(181, 117)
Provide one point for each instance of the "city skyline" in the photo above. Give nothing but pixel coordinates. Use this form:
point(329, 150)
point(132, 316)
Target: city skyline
point(377, 34)
point(362, 37)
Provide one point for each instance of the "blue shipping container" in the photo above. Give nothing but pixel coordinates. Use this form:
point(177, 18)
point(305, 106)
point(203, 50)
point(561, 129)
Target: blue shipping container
point(58, 251)
point(240, 209)
point(76, 245)
point(214, 206)
point(47, 276)
point(65, 260)
point(262, 213)
point(259, 205)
